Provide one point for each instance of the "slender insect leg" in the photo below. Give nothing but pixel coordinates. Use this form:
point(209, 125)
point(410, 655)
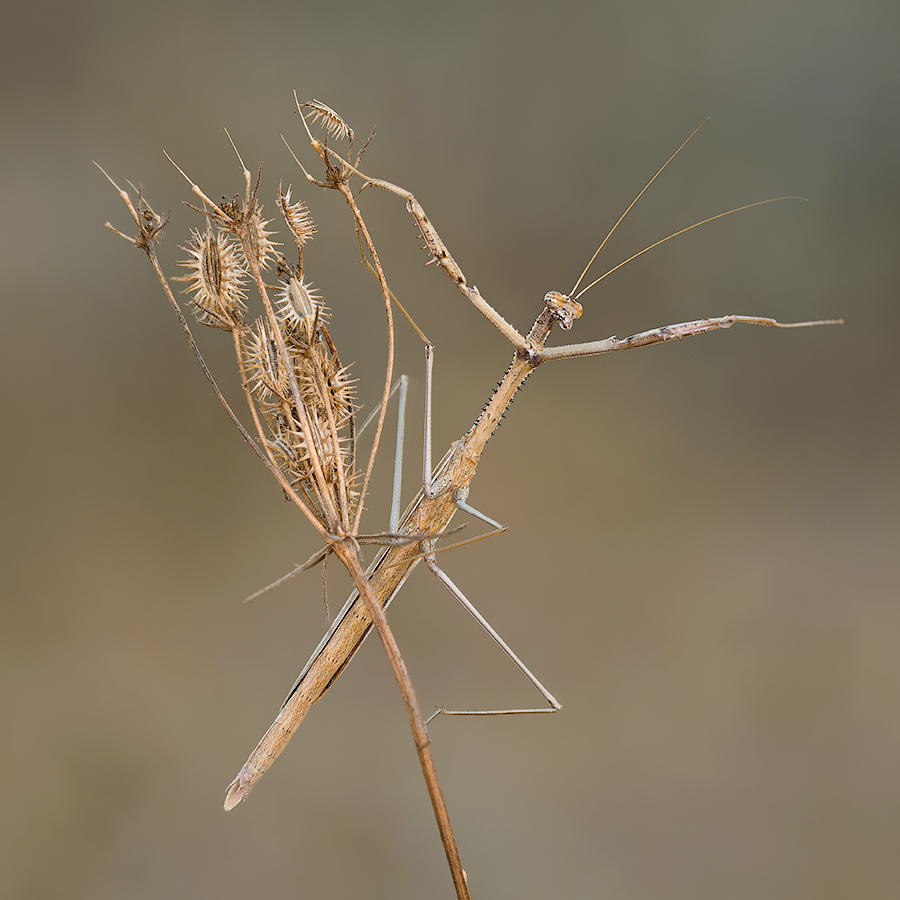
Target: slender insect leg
point(459, 498)
point(668, 333)
point(372, 415)
point(439, 254)
point(554, 706)
point(426, 443)
point(398, 456)
point(400, 386)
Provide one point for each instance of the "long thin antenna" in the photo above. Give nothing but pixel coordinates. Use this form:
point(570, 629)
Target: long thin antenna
point(675, 234)
point(630, 205)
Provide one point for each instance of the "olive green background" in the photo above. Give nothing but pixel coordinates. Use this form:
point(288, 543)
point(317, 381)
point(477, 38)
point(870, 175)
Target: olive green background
point(702, 555)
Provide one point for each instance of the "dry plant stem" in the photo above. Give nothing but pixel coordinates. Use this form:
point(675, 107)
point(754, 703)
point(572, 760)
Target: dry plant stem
point(344, 188)
point(351, 561)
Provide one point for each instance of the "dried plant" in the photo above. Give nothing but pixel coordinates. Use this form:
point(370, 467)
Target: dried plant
point(302, 404)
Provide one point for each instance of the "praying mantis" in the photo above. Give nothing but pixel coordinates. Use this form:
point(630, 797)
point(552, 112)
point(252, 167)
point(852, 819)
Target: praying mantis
point(302, 405)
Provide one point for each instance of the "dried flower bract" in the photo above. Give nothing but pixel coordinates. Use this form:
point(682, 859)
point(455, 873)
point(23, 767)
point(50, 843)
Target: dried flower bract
point(331, 121)
point(216, 278)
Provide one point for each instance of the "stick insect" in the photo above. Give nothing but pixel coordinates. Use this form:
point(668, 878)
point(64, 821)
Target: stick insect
point(303, 409)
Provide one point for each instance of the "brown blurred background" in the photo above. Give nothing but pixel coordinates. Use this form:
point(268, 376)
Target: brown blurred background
point(702, 559)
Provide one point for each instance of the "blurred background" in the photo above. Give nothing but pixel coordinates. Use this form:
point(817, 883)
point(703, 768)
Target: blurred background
point(702, 555)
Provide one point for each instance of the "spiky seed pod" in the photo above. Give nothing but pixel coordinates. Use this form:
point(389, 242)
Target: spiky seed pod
point(151, 224)
point(215, 278)
point(262, 248)
point(296, 217)
point(331, 121)
point(325, 387)
point(301, 310)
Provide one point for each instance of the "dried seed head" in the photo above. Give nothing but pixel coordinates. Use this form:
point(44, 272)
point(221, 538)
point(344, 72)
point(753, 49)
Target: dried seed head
point(263, 367)
point(300, 308)
point(331, 121)
point(215, 278)
point(296, 217)
point(260, 244)
point(342, 392)
point(151, 224)
point(326, 392)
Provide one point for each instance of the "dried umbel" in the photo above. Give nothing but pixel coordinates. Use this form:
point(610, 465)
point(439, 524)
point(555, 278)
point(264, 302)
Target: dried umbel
point(292, 373)
point(216, 278)
point(325, 387)
point(302, 402)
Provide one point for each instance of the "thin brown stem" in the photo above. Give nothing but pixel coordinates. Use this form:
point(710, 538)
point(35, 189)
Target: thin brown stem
point(348, 553)
point(344, 188)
